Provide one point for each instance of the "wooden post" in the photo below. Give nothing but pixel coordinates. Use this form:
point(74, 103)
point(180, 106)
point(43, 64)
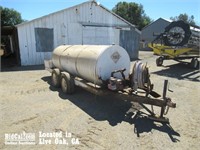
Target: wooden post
point(164, 98)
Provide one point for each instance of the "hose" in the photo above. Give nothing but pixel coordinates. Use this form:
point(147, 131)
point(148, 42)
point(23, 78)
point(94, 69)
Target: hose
point(140, 75)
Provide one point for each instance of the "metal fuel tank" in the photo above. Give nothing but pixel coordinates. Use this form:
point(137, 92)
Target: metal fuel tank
point(93, 63)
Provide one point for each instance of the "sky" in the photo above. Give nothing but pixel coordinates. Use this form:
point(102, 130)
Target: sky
point(31, 9)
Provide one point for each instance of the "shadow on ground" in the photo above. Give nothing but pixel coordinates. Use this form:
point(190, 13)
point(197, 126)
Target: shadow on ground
point(22, 68)
point(143, 124)
point(180, 71)
point(114, 111)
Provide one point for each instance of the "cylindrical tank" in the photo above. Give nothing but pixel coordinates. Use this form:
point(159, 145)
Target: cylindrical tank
point(93, 63)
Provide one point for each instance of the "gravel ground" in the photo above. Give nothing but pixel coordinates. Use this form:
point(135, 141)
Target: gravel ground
point(30, 104)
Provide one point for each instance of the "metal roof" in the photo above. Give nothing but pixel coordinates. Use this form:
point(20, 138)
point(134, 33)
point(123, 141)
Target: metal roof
point(93, 1)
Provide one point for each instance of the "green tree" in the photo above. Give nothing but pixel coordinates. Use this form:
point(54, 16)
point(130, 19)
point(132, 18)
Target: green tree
point(10, 17)
point(132, 12)
point(184, 17)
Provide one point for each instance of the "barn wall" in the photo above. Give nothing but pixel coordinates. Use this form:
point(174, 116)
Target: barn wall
point(68, 28)
point(130, 41)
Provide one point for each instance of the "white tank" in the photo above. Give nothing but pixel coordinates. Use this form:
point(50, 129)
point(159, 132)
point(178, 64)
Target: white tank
point(91, 62)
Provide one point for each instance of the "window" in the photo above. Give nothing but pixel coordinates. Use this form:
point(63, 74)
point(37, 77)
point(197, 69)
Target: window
point(44, 39)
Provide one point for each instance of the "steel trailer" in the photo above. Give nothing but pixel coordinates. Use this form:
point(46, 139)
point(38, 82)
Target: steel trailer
point(103, 71)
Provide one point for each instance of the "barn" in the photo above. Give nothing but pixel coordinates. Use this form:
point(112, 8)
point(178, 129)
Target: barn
point(88, 23)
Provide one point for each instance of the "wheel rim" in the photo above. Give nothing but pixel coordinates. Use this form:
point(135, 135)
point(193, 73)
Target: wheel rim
point(54, 79)
point(159, 61)
point(195, 63)
point(64, 85)
point(177, 35)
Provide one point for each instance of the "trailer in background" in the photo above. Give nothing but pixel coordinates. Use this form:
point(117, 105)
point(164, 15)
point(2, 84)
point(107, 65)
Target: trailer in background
point(179, 41)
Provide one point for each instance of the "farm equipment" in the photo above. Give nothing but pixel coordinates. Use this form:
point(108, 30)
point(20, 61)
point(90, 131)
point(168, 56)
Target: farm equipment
point(105, 71)
point(178, 42)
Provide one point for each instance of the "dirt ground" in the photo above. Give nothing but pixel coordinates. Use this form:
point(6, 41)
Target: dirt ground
point(28, 103)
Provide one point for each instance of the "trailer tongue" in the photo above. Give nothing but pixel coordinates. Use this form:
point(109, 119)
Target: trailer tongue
point(105, 71)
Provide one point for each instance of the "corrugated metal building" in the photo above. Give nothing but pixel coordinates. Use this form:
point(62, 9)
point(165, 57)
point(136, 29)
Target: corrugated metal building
point(87, 23)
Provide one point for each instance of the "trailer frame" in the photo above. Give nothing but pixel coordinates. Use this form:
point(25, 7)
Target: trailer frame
point(174, 53)
point(163, 102)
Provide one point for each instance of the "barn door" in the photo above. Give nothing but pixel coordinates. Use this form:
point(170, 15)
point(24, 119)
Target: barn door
point(100, 35)
point(95, 35)
point(129, 40)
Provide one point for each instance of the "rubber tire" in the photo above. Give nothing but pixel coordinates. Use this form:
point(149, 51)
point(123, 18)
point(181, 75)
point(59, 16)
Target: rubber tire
point(194, 63)
point(55, 77)
point(182, 25)
point(159, 61)
point(67, 83)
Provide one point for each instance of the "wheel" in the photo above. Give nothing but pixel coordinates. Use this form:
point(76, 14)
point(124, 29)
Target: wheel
point(178, 34)
point(159, 61)
point(55, 77)
point(194, 63)
point(67, 83)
